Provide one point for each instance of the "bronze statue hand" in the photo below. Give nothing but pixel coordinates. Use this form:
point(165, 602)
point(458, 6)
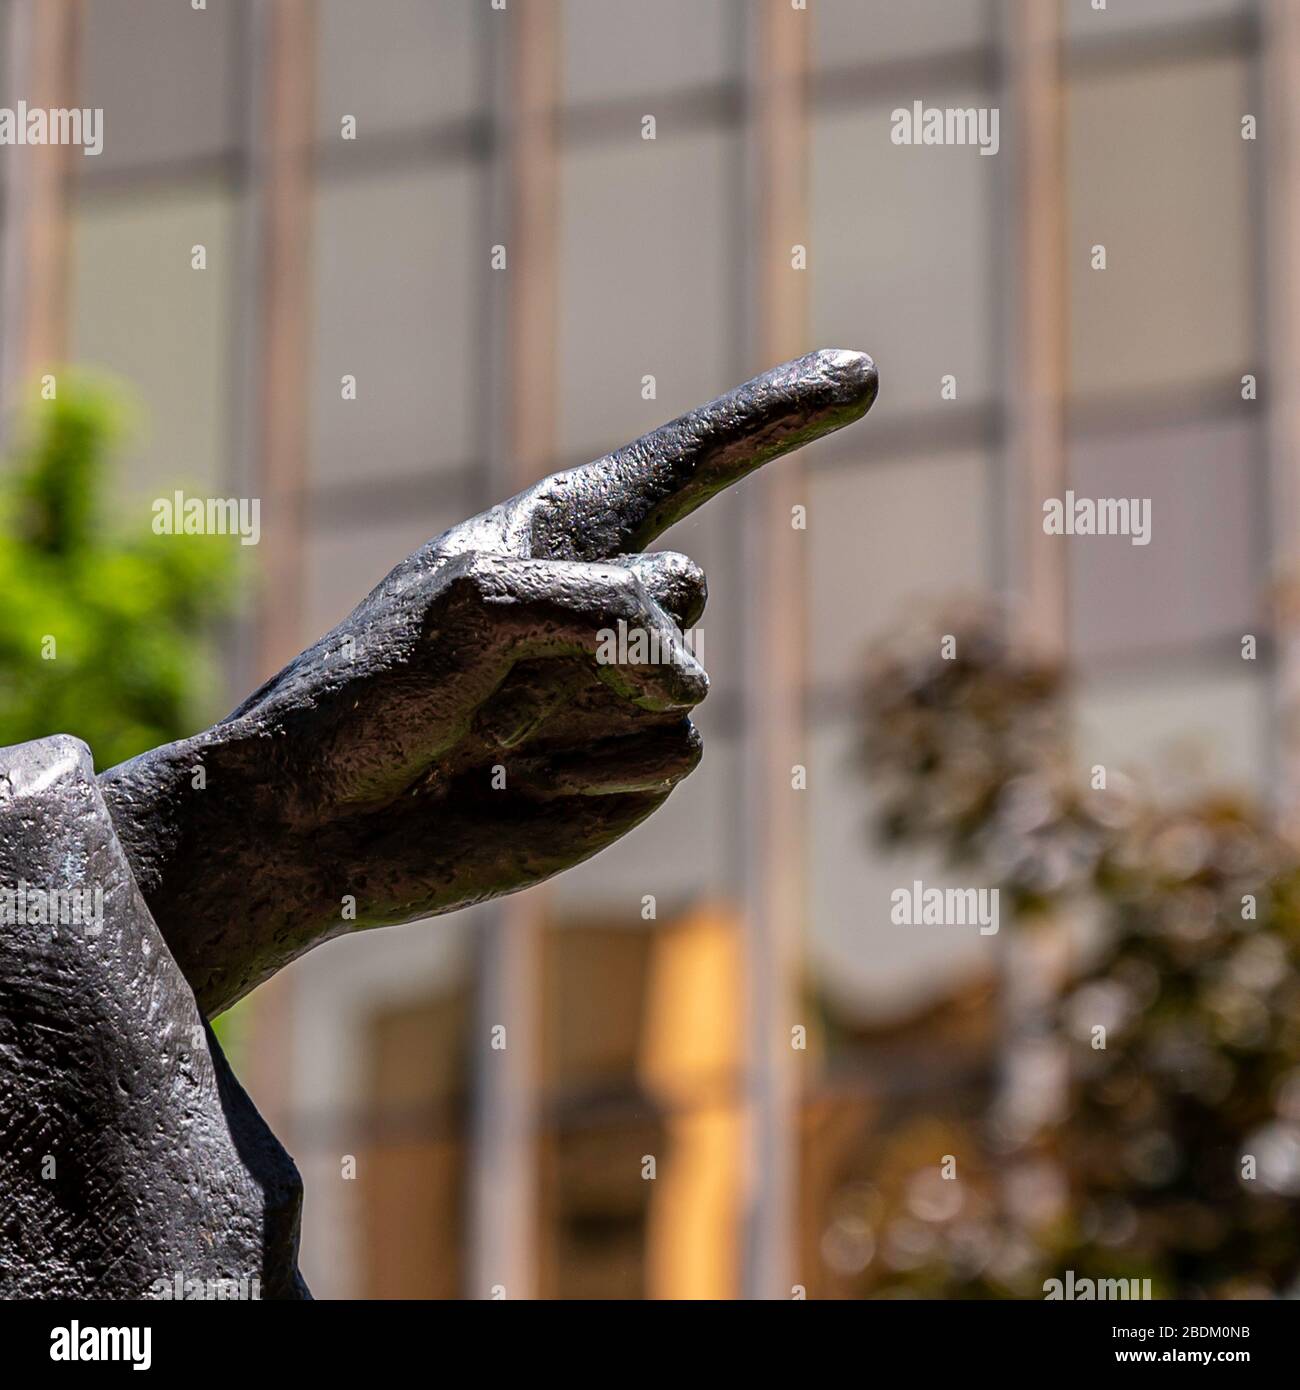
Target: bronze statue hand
point(462, 734)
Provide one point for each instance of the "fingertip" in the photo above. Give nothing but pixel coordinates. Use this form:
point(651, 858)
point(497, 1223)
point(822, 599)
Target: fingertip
point(674, 581)
point(853, 372)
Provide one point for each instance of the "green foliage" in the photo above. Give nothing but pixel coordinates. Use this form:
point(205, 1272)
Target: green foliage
point(101, 627)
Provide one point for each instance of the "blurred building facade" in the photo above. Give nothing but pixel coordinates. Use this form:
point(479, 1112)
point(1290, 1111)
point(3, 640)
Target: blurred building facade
point(714, 1031)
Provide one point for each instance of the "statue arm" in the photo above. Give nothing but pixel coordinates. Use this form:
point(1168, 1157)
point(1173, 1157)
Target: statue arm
point(461, 735)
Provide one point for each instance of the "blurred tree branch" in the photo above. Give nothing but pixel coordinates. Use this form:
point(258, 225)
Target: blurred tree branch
point(1180, 1142)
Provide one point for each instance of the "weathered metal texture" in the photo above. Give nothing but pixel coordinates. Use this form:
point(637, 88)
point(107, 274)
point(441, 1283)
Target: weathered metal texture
point(129, 1154)
point(457, 736)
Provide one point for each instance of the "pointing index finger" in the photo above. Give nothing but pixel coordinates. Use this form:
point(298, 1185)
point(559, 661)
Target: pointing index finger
point(621, 502)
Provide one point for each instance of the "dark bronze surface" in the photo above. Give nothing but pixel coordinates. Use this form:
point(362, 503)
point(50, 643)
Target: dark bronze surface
point(129, 1154)
point(365, 768)
point(457, 737)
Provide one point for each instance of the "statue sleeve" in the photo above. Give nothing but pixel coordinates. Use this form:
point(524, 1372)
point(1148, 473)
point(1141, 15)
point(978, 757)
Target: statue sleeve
point(132, 1163)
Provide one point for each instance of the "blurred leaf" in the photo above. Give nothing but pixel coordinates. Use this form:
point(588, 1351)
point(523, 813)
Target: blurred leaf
point(130, 616)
